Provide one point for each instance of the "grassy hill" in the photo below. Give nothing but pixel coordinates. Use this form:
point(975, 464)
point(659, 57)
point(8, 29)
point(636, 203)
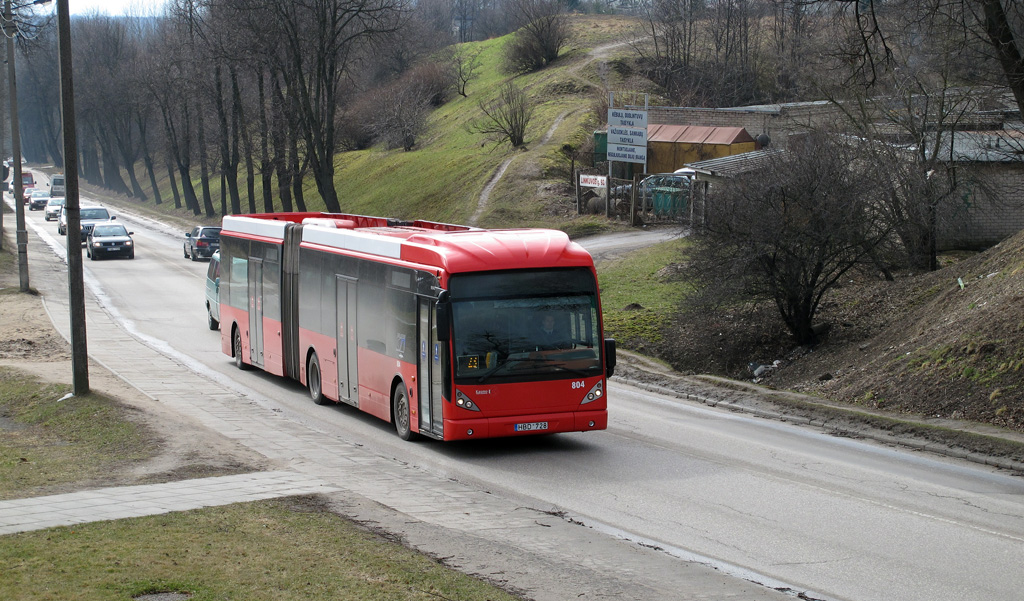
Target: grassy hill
point(443, 177)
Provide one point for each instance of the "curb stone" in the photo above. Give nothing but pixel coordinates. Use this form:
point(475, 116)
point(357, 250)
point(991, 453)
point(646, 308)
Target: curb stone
point(866, 431)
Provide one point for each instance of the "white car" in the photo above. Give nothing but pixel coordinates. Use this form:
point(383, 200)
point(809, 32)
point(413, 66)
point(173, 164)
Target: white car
point(53, 208)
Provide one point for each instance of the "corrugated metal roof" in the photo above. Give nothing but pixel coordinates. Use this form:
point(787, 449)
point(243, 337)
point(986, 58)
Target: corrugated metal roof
point(734, 165)
point(996, 146)
point(697, 134)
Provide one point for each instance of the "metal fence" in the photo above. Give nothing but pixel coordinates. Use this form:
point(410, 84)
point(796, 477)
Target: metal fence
point(660, 198)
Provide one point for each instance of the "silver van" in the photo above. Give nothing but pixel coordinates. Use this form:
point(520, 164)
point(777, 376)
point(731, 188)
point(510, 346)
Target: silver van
point(57, 185)
point(213, 292)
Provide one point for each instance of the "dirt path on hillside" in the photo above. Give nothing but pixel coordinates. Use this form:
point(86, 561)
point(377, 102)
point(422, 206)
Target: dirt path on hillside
point(598, 53)
point(485, 195)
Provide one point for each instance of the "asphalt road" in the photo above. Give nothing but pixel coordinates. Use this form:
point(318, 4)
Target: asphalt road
point(827, 517)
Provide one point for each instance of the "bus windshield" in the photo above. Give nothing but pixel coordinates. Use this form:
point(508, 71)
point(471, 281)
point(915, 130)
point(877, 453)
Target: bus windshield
point(517, 326)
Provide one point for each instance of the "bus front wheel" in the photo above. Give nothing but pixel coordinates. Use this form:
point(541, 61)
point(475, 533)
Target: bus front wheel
point(316, 391)
point(400, 409)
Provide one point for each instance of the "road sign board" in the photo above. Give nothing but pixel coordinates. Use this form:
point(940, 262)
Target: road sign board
point(627, 118)
point(627, 154)
point(593, 181)
point(631, 136)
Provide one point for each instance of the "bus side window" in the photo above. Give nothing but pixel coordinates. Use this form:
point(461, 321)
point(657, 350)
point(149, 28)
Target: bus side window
point(239, 283)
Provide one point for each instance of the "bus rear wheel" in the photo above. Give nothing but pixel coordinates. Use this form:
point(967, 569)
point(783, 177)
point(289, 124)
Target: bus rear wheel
point(400, 410)
point(236, 346)
point(316, 391)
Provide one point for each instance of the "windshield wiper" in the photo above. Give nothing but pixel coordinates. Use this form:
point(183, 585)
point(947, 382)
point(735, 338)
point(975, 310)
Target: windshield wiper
point(494, 370)
point(571, 370)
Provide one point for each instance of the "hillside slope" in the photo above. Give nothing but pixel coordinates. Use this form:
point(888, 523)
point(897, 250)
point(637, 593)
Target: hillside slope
point(943, 344)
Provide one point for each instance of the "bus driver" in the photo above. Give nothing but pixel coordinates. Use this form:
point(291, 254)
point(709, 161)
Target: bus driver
point(548, 336)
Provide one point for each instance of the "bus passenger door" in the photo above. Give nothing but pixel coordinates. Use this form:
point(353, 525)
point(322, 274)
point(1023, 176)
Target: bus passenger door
point(256, 312)
point(429, 372)
point(348, 382)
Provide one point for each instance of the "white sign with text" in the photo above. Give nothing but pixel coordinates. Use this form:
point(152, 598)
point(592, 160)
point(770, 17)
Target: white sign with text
point(627, 154)
point(593, 181)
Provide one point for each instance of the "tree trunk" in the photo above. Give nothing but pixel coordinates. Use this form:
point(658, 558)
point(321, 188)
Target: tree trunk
point(91, 165)
point(189, 190)
point(278, 136)
point(112, 179)
point(247, 143)
point(151, 171)
point(1001, 35)
point(266, 166)
point(224, 195)
point(147, 158)
point(296, 170)
point(228, 139)
point(174, 185)
point(204, 164)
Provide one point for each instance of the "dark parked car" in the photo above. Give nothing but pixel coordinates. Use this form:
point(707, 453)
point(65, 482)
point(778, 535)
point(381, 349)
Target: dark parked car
point(38, 199)
point(202, 242)
point(109, 240)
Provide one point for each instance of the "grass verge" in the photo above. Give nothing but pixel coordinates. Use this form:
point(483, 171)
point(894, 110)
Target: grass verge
point(286, 549)
point(639, 293)
point(49, 442)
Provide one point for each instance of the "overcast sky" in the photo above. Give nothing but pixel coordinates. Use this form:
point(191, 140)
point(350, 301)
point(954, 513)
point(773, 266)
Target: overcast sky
point(112, 7)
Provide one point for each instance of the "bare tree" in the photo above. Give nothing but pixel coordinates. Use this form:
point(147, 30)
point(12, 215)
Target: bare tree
point(400, 116)
point(465, 67)
point(994, 27)
point(543, 30)
point(789, 232)
point(309, 43)
point(507, 117)
point(926, 101)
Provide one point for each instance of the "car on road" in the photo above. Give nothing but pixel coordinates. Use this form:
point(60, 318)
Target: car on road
point(58, 186)
point(201, 242)
point(52, 210)
point(38, 199)
point(28, 184)
point(109, 240)
point(213, 292)
point(88, 217)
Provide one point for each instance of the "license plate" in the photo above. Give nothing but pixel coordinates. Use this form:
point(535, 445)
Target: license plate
point(114, 248)
point(531, 426)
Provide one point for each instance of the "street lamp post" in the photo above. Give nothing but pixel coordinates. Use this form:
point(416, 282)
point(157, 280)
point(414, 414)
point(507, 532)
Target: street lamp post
point(19, 205)
point(76, 285)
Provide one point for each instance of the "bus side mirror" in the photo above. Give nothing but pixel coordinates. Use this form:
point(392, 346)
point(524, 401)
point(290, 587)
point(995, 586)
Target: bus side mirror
point(609, 356)
point(444, 316)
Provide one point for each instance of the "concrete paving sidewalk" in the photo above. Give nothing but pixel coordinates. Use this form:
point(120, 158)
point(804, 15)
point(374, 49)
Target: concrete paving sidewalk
point(36, 513)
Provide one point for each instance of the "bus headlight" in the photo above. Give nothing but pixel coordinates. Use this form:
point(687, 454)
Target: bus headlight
point(465, 402)
point(595, 393)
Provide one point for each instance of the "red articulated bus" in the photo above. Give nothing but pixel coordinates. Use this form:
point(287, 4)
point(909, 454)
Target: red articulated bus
point(446, 331)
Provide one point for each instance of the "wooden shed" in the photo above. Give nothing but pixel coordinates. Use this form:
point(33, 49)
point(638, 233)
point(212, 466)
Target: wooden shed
point(670, 147)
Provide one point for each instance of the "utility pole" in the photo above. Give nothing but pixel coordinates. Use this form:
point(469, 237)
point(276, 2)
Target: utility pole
point(76, 283)
point(19, 203)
